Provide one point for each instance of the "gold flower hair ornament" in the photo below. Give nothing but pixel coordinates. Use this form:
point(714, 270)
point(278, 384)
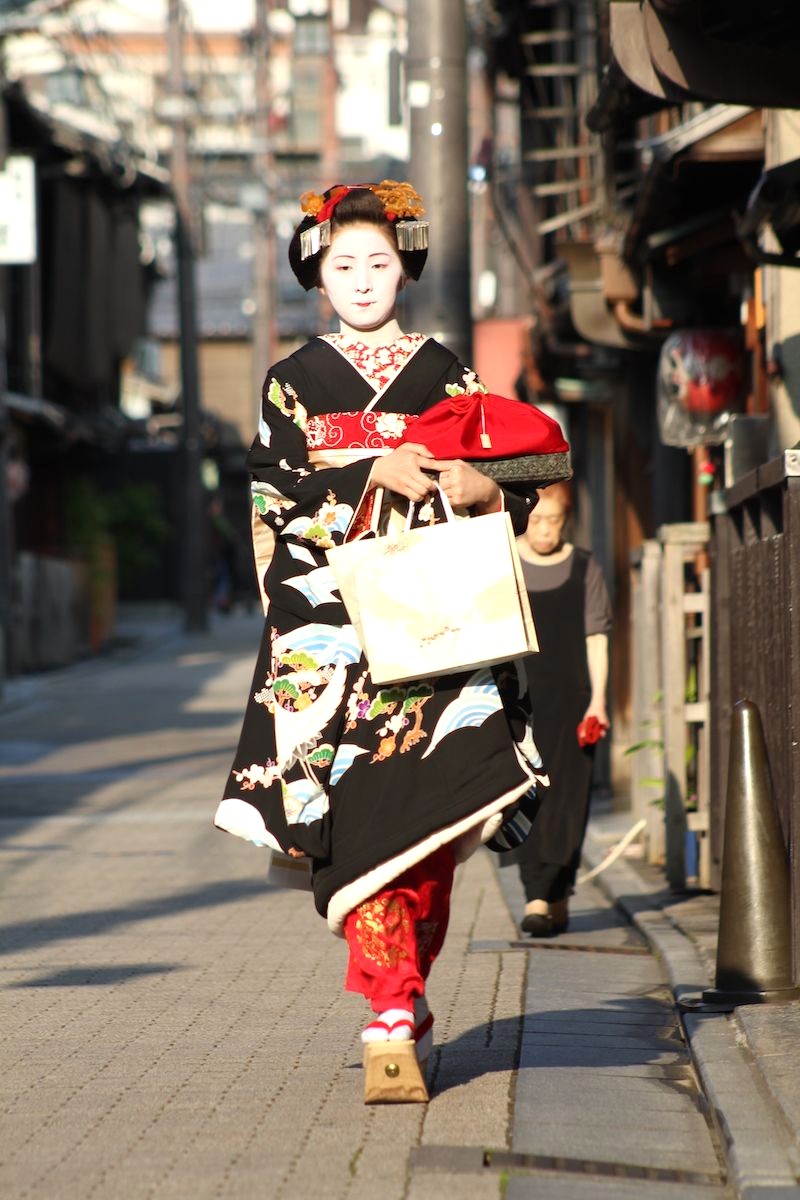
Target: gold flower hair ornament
point(401, 202)
point(398, 199)
point(311, 203)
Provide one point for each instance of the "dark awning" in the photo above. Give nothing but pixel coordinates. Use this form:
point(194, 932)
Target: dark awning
point(732, 51)
point(620, 100)
point(33, 408)
point(698, 170)
point(106, 427)
point(774, 202)
point(31, 125)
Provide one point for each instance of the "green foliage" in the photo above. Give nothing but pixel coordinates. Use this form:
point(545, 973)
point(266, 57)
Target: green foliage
point(85, 514)
point(645, 744)
point(691, 693)
point(657, 783)
point(138, 527)
point(129, 515)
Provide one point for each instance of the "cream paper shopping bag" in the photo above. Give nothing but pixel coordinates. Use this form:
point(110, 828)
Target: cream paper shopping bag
point(287, 872)
point(437, 599)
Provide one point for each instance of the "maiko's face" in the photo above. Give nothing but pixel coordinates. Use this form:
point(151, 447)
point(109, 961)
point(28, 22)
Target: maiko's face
point(361, 274)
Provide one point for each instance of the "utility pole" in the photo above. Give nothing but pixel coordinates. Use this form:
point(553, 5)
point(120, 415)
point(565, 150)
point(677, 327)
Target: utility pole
point(6, 555)
point(264, 340)
point(436, 73)
point(193, 530)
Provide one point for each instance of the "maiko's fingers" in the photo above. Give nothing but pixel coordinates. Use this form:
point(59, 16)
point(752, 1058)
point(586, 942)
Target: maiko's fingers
point(417, 448)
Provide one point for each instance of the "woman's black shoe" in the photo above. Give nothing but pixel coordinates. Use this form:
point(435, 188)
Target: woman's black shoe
point(537, 925)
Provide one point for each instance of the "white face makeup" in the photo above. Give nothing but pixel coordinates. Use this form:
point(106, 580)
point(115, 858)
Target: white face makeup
point(361, 275)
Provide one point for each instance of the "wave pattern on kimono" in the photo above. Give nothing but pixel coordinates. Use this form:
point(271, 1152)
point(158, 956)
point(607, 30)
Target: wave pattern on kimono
point(366, 780)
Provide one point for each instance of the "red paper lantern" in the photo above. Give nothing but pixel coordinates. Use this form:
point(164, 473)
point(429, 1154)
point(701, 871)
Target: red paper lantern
point(703, 371)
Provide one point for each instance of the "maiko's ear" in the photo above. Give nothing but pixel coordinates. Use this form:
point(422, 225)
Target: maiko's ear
point(402, 283)
point(321, 290)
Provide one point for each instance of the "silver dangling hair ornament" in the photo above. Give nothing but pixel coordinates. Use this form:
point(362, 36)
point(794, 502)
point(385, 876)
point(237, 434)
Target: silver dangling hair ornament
point(412, 235)
point(314, 239)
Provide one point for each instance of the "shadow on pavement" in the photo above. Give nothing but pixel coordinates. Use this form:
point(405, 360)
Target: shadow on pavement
point(630, 1033)
point(95, 725)
point(41, 932)
point(95, 976)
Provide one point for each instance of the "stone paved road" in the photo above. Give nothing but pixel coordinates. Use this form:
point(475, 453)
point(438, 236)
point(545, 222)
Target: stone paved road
point(173, 1028)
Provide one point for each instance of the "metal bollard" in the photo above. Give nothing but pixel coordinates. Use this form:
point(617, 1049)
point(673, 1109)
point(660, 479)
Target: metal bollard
point(754, 948)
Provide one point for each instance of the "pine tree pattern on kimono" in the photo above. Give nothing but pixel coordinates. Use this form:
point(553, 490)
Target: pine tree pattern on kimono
point(351, 773)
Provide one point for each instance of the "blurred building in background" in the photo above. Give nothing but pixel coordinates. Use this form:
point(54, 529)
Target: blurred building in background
point(277, 98)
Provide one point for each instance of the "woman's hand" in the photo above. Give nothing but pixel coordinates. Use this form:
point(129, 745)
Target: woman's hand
point(597, 708)
point(402, 471)
point(597, 658)
point(465, 486)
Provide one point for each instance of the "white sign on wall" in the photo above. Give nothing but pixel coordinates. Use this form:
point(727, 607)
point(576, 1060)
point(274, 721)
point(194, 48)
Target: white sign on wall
point(18, 211)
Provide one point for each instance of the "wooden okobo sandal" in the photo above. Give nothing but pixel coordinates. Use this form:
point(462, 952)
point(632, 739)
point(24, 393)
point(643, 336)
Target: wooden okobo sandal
point(392, 1071)
point(392, 1074)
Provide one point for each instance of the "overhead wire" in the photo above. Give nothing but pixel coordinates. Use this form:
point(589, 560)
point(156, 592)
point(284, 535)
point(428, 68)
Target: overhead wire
point(96, 75)
point(28, 16)
point(89, 48)
point(79, 53)
point(242, 119)
point(101, 44)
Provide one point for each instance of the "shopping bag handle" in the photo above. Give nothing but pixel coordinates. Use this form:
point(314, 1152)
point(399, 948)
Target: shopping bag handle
point(446, 505)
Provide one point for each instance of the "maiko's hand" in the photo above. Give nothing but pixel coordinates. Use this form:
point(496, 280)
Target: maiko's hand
point(402, 471)
point(465, 486)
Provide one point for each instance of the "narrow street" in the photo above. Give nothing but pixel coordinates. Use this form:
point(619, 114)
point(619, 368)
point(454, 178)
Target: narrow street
point(174, 1028)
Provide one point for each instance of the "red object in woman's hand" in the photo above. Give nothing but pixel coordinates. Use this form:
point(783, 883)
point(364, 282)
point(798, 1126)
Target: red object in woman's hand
point(590, 731)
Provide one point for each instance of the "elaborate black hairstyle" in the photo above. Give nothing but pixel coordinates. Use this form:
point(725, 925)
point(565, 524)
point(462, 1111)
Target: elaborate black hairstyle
point(393, 207)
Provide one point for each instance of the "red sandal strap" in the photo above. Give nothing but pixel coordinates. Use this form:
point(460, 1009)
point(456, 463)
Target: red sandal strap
point(403, 1021)
point(389, 1029)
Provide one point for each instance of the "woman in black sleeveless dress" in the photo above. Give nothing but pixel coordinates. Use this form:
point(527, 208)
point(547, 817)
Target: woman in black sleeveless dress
point(566, 684)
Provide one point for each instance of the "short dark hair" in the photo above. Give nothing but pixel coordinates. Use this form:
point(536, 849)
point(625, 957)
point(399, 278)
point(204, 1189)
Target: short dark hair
point(359, 207)
point(560, 491)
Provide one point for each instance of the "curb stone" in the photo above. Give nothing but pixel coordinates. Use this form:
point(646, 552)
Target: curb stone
point(754, 1136)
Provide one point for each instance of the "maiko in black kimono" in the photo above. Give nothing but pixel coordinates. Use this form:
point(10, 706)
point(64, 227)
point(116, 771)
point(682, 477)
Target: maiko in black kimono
point(366, 780)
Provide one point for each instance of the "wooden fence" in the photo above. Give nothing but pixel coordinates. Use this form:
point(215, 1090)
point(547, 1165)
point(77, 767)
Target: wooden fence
point(671, 670)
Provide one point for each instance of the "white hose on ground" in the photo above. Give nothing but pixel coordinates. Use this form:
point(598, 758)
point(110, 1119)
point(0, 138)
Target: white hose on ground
point(614, 852)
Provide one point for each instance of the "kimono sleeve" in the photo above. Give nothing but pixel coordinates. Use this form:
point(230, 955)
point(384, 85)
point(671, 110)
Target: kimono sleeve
point(297, 501)
point(518, 501)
